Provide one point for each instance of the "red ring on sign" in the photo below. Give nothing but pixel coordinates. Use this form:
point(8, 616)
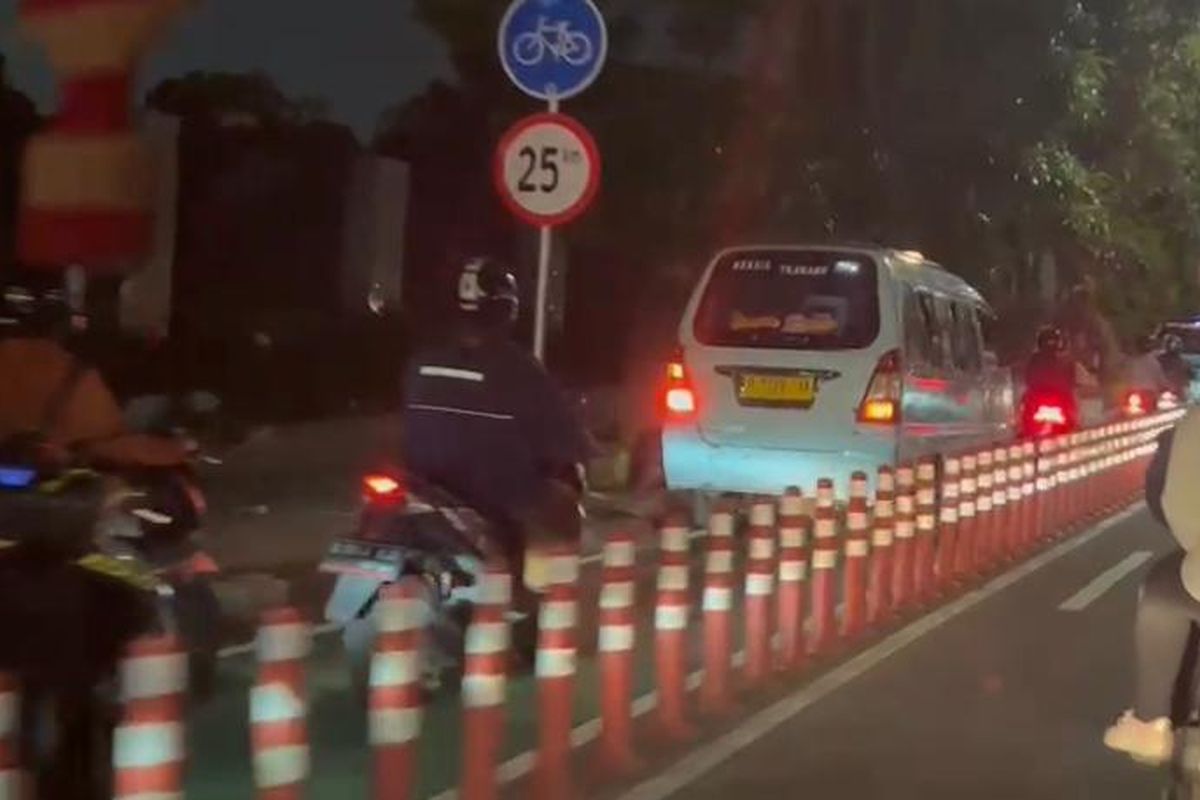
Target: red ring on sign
point(590, 147)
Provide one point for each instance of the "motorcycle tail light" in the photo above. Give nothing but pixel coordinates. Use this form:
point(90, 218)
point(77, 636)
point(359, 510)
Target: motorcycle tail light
point(380, 489)
point(1050, 415)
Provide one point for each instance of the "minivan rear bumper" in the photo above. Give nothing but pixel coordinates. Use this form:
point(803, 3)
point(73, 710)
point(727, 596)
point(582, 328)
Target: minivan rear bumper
point(692, 463)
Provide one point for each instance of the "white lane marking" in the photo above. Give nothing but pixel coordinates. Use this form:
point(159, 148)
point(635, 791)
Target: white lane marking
point(585, 733)
point(686, 771)
point(1105, 581)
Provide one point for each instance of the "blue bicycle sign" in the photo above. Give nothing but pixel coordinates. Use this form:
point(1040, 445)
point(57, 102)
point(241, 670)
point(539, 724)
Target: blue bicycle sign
point(553, 49)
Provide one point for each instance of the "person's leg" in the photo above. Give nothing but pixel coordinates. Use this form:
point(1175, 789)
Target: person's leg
point(1162, 631)
point(1164, 619)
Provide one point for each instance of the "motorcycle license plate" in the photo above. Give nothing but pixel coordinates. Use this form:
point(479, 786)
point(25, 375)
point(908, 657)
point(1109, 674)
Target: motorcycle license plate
point(364, 560)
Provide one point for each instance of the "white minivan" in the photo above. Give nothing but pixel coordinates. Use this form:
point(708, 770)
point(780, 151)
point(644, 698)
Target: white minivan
point(805, 362)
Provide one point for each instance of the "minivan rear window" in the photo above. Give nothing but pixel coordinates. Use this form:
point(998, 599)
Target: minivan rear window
point(790, 299)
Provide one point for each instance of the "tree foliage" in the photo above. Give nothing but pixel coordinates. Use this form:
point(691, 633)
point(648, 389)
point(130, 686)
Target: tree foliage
point(997, 136)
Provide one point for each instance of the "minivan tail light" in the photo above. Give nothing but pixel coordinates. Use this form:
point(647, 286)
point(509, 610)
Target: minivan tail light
point(679, 399)
point(881, 403)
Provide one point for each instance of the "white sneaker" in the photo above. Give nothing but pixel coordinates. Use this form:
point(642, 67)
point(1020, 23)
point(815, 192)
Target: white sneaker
point(1147, 742)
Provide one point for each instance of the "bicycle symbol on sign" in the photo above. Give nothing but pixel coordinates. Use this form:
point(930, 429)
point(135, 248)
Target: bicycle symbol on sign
point(555, 39)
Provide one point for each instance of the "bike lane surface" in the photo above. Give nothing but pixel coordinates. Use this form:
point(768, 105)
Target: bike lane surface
point(1001, 694)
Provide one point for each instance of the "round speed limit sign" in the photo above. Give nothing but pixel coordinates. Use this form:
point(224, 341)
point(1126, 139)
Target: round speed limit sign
point(547, 169)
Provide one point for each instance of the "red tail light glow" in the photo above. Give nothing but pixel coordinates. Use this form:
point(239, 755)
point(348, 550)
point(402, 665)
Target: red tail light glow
point(1135, 404)
point(881, 403)
point(1050, 415)
point(380, 489)
point(679, 399)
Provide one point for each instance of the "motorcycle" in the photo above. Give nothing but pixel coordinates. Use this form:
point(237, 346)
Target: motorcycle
point(89, 561)
point(412, 530)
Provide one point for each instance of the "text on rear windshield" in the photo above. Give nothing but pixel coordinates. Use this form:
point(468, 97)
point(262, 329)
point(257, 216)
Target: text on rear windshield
point(790, 299)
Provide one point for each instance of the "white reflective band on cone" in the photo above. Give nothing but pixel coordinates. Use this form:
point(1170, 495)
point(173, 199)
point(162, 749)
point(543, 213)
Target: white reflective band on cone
point(950, 515)
point(926, 471)
point(759, 585)
point(721, 524)
point(290, 642)
point(826, 529)
point(762, 548)
point(557, 615)
point(966, 510)
point(925, 497)
point(719, 561)
point(856, 521)
point(672, 578)
point(999, 498)
point(275, 702)
point(1014, 494)
point(984, 504)
point(485, 638)
point(615, 638)
point(616, 595)
point(554, 663)
point(824, 559)
point(950, 491)
point(393, 726)
point(792, 537)
point(153, 676)
point(793, 571)
point(857, 548)
point(495, 589)
point(1027, 490)
point(149, 745)
point(905, 529)
point(717, 598)
point(905, 505)
point(670, 618)
point(482, 691)
point(396, 668)
point(926, 522)
point(882, 537)
point(401, 614)
point(280, 766)
point(762, 515)
point(620, 554)
point(674, 540)
point(884, 508)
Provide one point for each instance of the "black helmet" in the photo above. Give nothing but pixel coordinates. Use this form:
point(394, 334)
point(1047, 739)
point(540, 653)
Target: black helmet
point(487, 290)
point(1172, 343)
point(1050, 339)
point(35, 305)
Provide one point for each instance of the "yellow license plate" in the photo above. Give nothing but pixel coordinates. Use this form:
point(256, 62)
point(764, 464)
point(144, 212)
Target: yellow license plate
point(778, 389)
point(128, 572)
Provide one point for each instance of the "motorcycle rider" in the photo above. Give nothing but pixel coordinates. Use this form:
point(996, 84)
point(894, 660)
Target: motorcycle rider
point(1144, 372)
point(53, 395)
point(1049, 368)
point(484, 420)
point(1175, 366)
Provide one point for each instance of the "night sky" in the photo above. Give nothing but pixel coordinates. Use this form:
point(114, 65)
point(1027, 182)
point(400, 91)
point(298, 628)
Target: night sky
point(361, 63)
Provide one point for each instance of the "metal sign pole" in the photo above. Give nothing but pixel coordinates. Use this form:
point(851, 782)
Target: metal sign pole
point(545, 251)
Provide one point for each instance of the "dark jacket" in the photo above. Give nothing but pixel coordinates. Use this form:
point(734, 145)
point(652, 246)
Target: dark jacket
point(483, 419)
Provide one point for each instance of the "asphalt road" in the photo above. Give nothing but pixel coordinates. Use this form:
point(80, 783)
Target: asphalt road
point(1003, 694)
